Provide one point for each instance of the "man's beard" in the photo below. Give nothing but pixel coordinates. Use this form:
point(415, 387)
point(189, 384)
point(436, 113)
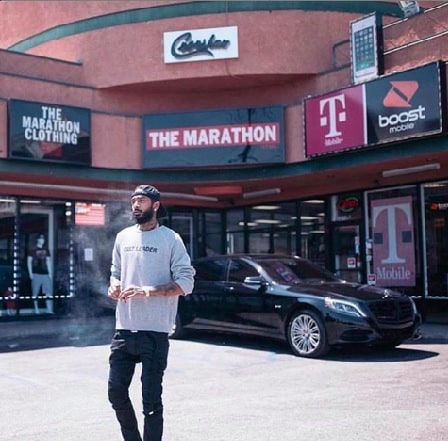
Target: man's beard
point(145, 216)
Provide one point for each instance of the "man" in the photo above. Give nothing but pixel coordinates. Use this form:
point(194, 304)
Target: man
point(150, 270)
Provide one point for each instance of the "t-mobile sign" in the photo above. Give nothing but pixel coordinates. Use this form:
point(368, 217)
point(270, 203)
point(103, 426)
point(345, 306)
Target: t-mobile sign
point(397, 106)
point(335, 121)
point(393, 241)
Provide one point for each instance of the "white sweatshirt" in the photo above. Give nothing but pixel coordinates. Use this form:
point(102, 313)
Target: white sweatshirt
point(144, 258)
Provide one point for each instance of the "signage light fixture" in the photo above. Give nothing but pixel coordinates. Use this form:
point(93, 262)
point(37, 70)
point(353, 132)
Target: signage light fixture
point(105, 191)
point(409, 170)
point(261, 193)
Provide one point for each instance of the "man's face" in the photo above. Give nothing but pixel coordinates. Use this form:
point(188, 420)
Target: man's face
point(143, 208)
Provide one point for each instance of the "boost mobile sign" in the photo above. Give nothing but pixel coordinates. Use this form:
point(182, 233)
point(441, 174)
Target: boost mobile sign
point(404, 105)
point(397, 106)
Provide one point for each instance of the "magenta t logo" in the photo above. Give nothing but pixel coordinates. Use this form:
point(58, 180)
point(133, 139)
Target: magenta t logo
point(336, 121)
point(393, 241)
point(391, 210)
point(332, 111)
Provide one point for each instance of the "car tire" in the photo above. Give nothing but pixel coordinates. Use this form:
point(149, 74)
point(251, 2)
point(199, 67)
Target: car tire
point(307, 336)
point(178, 330)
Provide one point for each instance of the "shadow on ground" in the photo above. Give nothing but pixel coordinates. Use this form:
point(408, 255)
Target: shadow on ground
point(76, 332)
point(341, 353)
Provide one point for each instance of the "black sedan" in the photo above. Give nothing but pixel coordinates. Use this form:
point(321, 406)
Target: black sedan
point(292, 299)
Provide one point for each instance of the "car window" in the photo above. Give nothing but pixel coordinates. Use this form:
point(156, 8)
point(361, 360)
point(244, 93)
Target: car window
point(212, 270)
point(239, 270)
point(293, 271)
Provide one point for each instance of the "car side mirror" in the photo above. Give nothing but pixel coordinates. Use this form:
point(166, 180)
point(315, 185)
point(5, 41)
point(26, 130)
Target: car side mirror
point(254, 280)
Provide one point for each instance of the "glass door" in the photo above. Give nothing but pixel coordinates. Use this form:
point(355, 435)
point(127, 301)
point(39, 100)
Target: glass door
point(345, 246)
point(395, 256)
point(8, 289)
point(436, 233)
point(37, 251)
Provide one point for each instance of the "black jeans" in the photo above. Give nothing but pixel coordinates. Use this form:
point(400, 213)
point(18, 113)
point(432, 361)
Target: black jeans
point(127, 349)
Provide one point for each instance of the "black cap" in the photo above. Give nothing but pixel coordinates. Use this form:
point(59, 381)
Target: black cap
point(150, 192)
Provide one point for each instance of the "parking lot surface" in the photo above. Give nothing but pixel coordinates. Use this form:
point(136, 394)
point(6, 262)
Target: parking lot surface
point(220, 388)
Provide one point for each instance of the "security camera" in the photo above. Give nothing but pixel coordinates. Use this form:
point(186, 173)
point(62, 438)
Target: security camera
point(409, 7)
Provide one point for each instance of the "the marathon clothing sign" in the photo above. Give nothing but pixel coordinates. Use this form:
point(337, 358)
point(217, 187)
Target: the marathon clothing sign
point(397, 106)
point(49, 132)
point(404, 105)
point(214, 138)
point(200, 44)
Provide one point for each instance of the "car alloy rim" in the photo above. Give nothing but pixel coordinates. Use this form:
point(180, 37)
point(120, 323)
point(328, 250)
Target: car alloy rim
point(305, 334)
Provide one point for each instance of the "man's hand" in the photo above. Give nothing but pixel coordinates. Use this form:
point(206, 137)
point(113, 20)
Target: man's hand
point(114, 290)
point(131, 292)
point(167, 290)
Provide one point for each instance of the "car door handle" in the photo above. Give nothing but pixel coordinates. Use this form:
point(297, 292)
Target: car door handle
point(230, 288)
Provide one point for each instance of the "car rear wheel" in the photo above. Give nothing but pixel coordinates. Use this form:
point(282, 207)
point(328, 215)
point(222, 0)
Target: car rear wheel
point(307, 336)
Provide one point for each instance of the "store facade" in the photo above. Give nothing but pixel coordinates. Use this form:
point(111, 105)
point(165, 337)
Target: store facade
point(253, 150)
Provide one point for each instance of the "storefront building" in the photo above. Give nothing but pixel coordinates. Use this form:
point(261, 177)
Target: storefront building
point(258, 121)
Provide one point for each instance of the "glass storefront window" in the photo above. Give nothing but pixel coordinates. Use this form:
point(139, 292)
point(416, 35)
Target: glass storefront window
point(312, 229)
point(183, 225)
point(436, 232)
point(345, 236)
point(209, 240)
point(8, 259)
point(235, 242)
point(394, 257)
point(271, 228)
point(44, 232)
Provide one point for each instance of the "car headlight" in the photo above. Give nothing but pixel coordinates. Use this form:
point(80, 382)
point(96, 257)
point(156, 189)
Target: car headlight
point(344, 307)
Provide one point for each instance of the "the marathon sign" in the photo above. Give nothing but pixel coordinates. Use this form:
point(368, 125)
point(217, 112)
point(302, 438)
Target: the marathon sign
point(214, 138)
point(397, 106)
point(200, 44)
point(49, 132)
point(404, 105)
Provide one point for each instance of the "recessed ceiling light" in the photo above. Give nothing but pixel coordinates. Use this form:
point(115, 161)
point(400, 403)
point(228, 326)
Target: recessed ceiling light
point(266, 207)
point(267, 221)
point(248, 224)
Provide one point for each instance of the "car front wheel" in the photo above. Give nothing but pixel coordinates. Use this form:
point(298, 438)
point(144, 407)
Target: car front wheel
point(307, 336)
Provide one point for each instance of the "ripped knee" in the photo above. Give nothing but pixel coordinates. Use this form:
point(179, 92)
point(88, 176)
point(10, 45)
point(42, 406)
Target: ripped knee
point(152, 409)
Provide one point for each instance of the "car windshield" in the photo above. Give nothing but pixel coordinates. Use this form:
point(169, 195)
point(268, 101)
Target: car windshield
point(292, 271)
